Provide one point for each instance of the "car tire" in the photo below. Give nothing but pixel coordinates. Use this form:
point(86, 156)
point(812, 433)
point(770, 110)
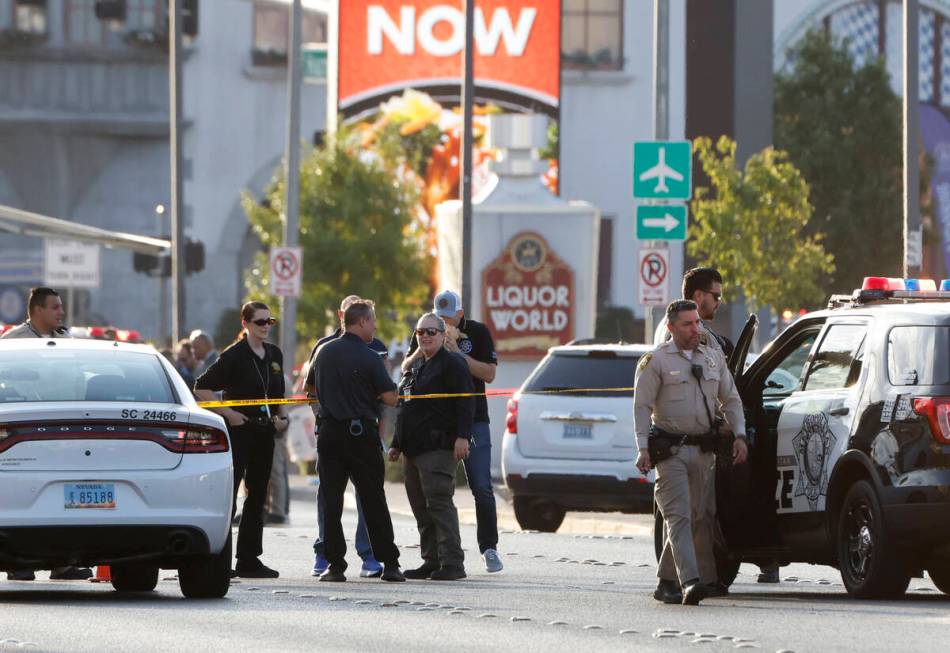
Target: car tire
point(867, 557)
point(207, 577)
point(727, 567)
point(134, 577)
point(538, 514)
point(940, 576)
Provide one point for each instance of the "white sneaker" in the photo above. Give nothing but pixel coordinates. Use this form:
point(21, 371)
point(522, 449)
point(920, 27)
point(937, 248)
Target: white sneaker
point(492, 561)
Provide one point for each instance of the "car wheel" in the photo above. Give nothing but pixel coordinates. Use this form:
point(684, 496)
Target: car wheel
point(134, 577)
point(940, 575)
point(207, 577)
point(870, 567)
point(538, 515)
point(727, 567)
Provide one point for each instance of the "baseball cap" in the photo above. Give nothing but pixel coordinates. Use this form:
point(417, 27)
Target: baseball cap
point(447, 304)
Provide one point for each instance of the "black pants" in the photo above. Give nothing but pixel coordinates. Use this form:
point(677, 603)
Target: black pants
point(252, 448)
point(342, 457)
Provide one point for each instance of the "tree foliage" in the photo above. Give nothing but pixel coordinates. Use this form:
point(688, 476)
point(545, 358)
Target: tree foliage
point(841, 126)
point(751, 225)
point(355, 231)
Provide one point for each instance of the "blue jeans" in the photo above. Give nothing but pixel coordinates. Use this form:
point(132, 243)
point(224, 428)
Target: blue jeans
point(478, 472)
point(363, 546)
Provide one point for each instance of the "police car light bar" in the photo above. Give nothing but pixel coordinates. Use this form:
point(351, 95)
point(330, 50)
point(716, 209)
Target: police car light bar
point(875, 289)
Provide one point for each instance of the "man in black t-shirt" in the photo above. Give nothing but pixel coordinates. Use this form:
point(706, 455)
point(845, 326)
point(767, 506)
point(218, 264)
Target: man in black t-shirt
point(474, 342)
point(350, 381)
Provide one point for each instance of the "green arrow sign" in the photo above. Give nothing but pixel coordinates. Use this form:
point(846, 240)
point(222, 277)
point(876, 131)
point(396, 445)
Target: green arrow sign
point(662, 170)
point(661, 222)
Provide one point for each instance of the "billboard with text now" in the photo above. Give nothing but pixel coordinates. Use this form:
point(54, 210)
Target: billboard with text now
point(386, 46)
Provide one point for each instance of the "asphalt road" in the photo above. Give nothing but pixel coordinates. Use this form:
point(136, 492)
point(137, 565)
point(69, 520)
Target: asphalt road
point(558, 592)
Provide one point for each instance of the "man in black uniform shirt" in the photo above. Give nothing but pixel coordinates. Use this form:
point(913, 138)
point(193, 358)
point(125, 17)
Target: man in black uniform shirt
point(473, 341)
point(371, 567)
point(350, 380)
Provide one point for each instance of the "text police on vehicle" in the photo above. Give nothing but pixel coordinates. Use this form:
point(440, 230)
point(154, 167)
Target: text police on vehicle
point(848, 414)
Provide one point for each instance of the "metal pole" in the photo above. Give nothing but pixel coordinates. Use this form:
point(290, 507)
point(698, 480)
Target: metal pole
point(288, 313)
point(70, 302)
point(468, 101)
point(661, 90)
point(913, 242)
point(177, 202)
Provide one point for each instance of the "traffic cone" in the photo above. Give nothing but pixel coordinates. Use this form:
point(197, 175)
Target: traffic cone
point(103, 575)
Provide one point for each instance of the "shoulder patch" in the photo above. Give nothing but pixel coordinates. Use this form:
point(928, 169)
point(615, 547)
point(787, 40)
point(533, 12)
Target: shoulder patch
point(703, 338)
point(644, 361)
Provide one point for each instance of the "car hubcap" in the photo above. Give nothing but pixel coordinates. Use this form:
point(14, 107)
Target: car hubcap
point(860, 541)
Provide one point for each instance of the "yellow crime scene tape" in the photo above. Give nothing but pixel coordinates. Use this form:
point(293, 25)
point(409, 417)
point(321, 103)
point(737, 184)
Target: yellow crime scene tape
point(233, 403)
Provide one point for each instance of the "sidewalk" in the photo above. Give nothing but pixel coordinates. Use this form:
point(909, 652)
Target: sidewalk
point(577, 523)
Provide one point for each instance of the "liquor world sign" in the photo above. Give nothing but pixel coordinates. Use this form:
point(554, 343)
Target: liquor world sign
point(386, 46)
point(528, 298)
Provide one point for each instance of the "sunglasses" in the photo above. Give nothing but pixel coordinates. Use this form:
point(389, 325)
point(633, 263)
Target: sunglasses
point(264, 321)
point(715, 295)
point(430, 331)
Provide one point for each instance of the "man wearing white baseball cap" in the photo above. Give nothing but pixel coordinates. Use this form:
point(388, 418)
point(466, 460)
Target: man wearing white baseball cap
point(474, 341)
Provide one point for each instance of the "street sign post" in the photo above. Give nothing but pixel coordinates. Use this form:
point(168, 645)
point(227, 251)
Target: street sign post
point(663, 170)
point(661, 222)
point(654, 276)
point(71, 264)
point(286, 270)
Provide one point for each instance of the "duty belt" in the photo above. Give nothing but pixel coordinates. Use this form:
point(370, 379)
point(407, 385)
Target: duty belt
point(684, 439)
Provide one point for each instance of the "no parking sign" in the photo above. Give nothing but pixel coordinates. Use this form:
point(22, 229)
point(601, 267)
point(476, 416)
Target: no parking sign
point(286, 267)
point(654, 279)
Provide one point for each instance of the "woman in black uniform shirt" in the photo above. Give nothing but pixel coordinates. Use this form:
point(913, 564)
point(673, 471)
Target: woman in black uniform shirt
point(250, 369)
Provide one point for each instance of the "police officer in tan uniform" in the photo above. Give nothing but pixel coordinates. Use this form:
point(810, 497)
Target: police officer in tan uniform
point(680, 386)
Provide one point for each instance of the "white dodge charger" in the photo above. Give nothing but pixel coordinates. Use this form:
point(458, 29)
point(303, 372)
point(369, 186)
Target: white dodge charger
point(106, 459)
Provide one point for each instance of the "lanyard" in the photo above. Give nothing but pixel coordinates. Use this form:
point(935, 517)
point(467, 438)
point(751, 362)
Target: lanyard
point(265, 379)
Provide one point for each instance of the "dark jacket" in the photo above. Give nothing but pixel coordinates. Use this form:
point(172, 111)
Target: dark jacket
point(432, 424)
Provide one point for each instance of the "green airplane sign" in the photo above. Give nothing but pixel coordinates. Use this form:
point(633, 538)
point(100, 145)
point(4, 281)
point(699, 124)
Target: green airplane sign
point(662, 170)
point(663, 222)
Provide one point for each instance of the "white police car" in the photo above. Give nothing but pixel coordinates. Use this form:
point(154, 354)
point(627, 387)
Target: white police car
point(850, 465)
point(566, 450)
point(106, 459)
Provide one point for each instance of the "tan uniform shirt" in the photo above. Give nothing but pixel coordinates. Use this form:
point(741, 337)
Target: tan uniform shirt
point(26, 330)
point(667, 394)
point(706, 337)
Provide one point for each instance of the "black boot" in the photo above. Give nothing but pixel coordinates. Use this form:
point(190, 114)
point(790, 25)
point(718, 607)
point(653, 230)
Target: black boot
point(668, 591)
point(694, 592)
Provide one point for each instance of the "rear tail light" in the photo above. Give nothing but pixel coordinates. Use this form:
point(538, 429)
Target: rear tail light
point(937, 412)
point(177, 440)
point(511, 418)
point(195, 440)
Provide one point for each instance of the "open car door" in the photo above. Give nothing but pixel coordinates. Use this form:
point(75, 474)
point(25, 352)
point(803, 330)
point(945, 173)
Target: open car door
point(734, 483)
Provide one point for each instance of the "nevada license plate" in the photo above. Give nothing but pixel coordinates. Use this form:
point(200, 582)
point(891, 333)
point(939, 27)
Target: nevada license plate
point(89, 495)
point(578, 431)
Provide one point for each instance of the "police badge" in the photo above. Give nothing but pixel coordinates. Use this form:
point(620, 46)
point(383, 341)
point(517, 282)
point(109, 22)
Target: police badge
point(812, 446)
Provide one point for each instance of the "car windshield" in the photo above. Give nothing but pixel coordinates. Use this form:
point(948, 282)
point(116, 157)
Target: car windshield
point(596, 370)
point(93, 375)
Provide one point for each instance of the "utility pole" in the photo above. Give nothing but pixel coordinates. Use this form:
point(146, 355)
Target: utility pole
point(913, 240)
point(468, 101)
point(177, 202)
point(288, 313)
point(661, 93)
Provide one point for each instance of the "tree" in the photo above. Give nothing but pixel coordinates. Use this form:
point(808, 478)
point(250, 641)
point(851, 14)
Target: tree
point(752, 224)
point(841, 126)
point(355, 231)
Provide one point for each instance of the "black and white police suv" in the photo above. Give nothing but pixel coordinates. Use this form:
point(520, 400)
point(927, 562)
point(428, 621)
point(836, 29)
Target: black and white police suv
point(849, 464)
point(106, 459)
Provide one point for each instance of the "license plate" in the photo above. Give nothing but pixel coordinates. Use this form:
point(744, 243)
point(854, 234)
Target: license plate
point(578, 431)
point(89, 495)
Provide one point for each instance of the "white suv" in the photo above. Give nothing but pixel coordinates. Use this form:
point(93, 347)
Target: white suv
point(569, 442)
point(106, 459)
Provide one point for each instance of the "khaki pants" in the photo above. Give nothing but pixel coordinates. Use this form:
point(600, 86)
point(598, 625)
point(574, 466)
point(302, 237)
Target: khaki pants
point(685, 494)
